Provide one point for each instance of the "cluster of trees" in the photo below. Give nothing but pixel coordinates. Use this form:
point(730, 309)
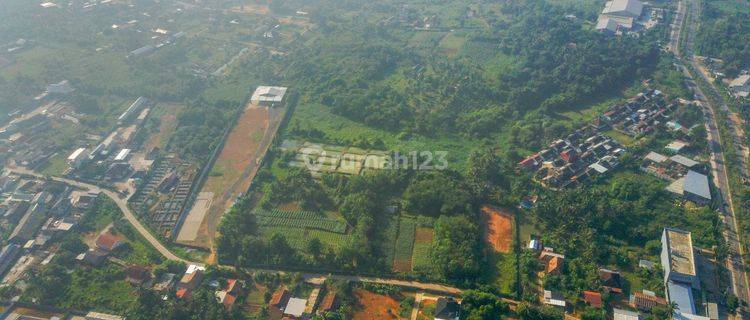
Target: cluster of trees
point(201, 127)
point(558, 64)
point(448, 199)
point(725, 35)
point(592, 226)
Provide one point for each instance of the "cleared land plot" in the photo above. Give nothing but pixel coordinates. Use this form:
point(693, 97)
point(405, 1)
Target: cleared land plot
point(498, 228)
point(372, 306)
point(238, 161)
point(404, 245)
point(422, 244)
point(189, 230)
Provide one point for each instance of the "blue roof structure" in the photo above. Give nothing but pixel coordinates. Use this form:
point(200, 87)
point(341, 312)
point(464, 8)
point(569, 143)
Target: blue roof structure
point(697, 184)
point(682, 295)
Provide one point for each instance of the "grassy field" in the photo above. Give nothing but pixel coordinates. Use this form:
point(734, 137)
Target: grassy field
point(338, 128)
point(505, 278)
point(56, 165)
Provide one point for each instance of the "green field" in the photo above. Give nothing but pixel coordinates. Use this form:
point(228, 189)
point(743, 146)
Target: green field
point(422, 246)
point(298, 238)
point(299, 219)
point(338, 128)
point(404, 245)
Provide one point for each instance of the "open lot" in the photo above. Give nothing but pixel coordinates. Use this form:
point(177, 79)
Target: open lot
point(374, 306)
point(236, 165)
point(498, 228)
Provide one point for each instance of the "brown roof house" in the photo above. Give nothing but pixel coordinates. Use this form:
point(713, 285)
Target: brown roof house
point(646, 302)
point(190, 280)
point(230, 293)
point(108, 242)
point(329, 303)
point(553, 262)
point(279, 298)
point(137, 275)
point(593, 298)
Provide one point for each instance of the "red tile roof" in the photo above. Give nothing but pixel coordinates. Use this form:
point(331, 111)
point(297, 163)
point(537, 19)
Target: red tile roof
point(593, 298)
point(328, 303)
point(108, 241)
point(279, 298)
point(184, 293)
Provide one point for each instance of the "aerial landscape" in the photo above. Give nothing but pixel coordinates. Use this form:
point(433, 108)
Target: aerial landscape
point(367, 160)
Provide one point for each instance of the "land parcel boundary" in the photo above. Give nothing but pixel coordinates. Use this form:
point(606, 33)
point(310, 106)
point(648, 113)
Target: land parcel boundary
point(236, 165)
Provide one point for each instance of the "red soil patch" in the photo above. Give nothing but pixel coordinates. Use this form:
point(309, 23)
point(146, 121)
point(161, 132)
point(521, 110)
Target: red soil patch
point(375, 306)
point(498, 228)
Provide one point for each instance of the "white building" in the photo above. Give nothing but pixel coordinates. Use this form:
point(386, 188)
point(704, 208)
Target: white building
point(619, 15)
point(740, 86)
point(265, 95)
point(78, 157)
point(132, 109)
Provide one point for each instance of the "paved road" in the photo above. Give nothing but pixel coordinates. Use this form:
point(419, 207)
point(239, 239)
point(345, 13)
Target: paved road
point(311, 277)
point(121, 203)
point(735, 263)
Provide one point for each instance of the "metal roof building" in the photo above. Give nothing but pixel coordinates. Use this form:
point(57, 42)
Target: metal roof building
point(682, 295)
point(677, 257)
point(623, 8)
point(696, 187)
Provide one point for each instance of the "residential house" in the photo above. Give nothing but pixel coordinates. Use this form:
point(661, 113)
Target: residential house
point(611, 280)
point(447, 309)
point(229, 294)
point(137, 275)
point(279, 298)
point(622, 314)
point(553, 261)
point(593, 298)
point(553, 298)
point(740, 86)
point(295, 307)
point(329, 303)
point(192, 277)
point(646, 302)
point(108, 242)
point(165, 282)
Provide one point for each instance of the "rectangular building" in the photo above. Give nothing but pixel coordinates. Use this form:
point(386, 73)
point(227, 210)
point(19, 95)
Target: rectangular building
point(677, 257)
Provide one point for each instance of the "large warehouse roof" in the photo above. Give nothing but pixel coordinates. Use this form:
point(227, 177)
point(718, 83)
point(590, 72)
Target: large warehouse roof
point(697, 184)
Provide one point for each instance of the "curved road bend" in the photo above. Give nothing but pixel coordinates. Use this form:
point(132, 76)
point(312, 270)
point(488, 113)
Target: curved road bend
point(311, 277)
point(735, 263)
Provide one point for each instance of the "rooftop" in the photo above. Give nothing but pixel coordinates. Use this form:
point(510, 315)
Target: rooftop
point(680, 245)
point(625, 7)
point(685, 161)
point(740, 81)
point(697, 184)
point(295, 307)
point(268, 94)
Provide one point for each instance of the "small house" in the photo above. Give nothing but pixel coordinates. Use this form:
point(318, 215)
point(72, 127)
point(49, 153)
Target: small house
point(447, 309)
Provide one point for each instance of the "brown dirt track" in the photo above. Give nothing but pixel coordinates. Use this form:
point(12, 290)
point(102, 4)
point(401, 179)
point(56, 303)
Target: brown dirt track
point(498, 228)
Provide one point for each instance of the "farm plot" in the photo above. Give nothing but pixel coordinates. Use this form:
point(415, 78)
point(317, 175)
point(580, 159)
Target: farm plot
point(420, 257)
point(298, 238)
point(498, 228)
point(299, 219)
point(404, 245)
